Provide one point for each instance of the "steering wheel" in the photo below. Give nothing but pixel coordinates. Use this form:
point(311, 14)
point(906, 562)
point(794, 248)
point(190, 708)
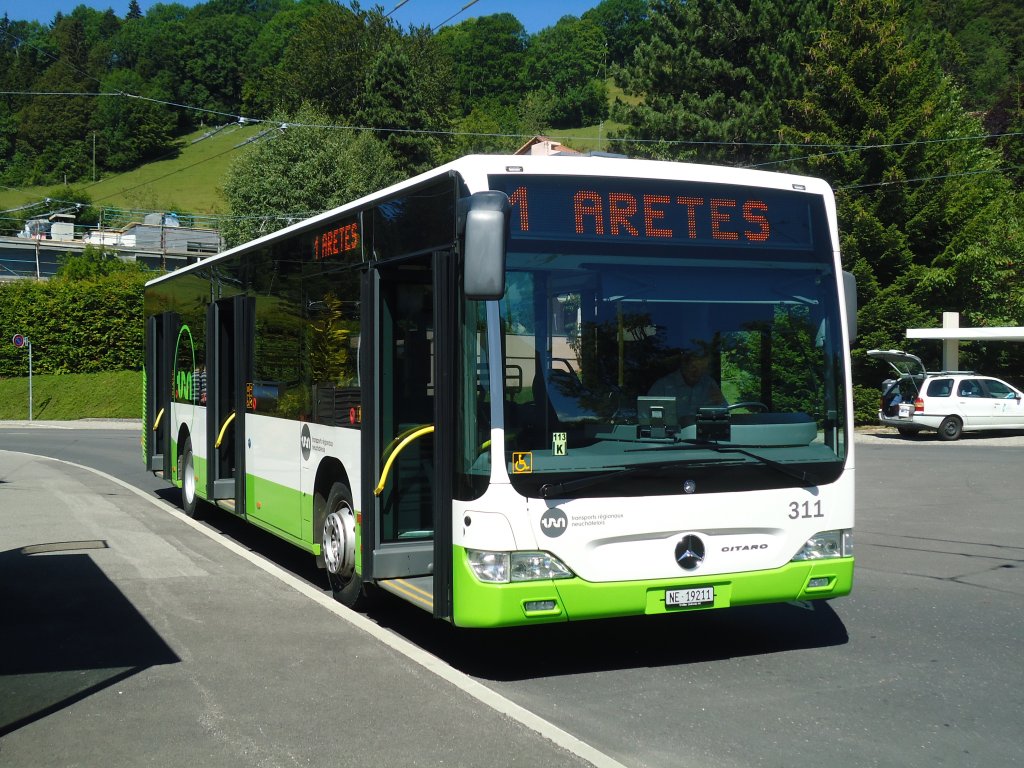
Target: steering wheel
point(753, 405)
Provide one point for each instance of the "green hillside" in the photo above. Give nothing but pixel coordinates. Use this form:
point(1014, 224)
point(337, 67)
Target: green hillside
point(189, 181)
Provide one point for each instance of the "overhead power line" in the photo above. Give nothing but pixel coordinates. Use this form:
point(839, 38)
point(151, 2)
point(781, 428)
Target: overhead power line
point(388, 14)
point(457, 13)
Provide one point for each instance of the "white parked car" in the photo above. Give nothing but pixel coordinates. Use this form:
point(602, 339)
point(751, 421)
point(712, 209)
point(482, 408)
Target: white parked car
point(949, 402)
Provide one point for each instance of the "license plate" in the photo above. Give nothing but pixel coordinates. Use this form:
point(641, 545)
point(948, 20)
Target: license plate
point(688, 598)
point(905, 410)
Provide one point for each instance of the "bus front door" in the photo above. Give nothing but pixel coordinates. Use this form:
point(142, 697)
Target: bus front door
point(161, 333)
point(406, 537)
point(229, 328)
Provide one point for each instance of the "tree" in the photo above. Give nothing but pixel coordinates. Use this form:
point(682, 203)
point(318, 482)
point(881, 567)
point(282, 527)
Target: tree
point(313, 52)
point(491, 127)
point(981, 274)
point(404, 100)
point(93, 263)
point(486, 55)
point(302, 170)
point(130, 131)
point(54, 126)
point(713, 76)
point(910, 170)
point(153, 47)
point(625, 23)
point(211, 57)
point(567, 64)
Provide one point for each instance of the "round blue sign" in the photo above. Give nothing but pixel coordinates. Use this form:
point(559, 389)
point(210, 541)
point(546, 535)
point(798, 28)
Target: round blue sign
point(19, 340)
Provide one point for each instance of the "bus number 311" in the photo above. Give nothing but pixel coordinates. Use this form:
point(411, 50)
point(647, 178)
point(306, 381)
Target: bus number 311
point(805, 510)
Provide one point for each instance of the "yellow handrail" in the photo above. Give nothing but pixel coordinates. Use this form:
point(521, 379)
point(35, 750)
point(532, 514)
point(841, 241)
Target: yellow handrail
point(429, 428)
point(223, 429)
point(158, 417)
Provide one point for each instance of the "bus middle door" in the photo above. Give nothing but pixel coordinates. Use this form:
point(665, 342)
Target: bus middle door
point(230, 329)
point(161, 331)
point(407, 529)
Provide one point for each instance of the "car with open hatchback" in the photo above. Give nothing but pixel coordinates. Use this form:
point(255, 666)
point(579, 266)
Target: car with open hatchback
point(947, 402)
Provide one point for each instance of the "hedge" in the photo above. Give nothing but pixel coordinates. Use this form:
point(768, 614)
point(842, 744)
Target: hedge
point(79, 326)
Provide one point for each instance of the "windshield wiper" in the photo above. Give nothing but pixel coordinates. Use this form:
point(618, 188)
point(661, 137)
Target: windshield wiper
point(549, 490)
point(804, 477)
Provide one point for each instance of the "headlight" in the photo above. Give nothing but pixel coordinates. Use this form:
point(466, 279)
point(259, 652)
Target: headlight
point(827, 544)
point(505, 567)
point(532, 566)
point(489, 566)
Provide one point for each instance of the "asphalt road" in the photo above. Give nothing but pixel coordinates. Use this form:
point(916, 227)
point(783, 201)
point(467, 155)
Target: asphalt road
point(918, 667)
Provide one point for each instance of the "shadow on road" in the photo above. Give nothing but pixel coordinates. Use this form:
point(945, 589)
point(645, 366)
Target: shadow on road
point(593, 646)
point(68, 632)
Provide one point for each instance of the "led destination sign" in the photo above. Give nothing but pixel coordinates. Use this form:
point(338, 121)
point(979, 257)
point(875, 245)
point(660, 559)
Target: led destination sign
point(658, 212)
point(339, 240)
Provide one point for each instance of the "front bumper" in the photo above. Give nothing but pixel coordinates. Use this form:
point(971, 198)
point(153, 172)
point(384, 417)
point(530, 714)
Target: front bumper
point(502, 605)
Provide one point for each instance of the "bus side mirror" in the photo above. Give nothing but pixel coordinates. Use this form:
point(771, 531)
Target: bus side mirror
point(850, 291)
point(486, 227)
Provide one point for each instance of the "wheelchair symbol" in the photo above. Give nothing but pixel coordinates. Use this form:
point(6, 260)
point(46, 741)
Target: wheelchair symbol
point(522, 463)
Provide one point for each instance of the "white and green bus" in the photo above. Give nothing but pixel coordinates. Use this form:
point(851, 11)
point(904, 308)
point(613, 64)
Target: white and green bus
point(444, 390)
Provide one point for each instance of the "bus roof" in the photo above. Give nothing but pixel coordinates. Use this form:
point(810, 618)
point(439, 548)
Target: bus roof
point(474, 170)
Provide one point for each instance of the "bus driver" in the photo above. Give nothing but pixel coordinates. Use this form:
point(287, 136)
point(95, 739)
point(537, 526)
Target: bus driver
point(690, 384)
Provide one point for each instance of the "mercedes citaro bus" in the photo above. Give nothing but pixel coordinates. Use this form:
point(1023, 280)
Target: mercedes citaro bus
point(443, 390)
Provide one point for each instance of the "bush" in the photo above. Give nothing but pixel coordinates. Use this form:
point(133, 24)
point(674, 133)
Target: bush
point(865, 405)
point(81, 326)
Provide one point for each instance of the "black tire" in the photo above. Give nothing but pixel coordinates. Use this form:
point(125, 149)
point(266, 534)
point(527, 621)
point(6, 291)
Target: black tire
point(337, 525)
point(187, 475)
point(951, 428)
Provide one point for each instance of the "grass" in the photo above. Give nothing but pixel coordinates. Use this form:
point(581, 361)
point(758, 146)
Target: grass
point(65, 397)
point(591, 138)
point(188, 181)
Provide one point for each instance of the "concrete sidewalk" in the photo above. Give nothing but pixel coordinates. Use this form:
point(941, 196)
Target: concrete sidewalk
point(133, 638)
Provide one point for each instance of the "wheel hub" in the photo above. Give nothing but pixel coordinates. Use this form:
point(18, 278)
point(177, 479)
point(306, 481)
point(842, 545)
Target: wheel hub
point(188, 481)
point(339, 543)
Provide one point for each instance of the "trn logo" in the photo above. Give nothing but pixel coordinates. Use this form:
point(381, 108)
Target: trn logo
point(554, 523)
point(183, 385)
point(305, 442)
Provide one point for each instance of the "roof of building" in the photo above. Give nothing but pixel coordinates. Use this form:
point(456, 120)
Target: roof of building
point(542, 145)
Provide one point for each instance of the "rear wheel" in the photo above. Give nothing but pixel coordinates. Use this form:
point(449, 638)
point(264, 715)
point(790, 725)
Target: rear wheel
point(187, 473)
point(338, 546)
point(950, 428)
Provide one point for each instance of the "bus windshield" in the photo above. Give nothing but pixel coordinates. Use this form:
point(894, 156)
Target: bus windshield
point(635, 371)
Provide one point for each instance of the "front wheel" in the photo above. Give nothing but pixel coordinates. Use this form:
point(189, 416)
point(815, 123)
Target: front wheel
point(338, 547)
point(950, 428)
